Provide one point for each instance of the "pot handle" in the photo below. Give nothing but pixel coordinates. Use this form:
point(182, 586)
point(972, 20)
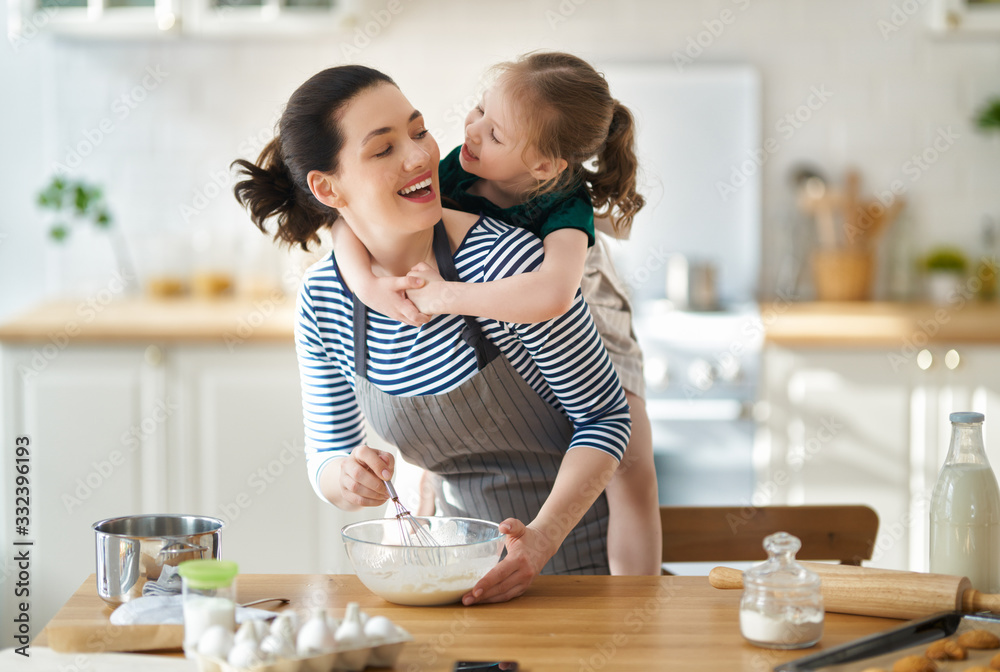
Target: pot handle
point(182, 547)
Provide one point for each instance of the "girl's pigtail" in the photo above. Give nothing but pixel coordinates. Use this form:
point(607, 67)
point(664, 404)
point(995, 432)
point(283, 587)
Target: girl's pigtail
point(269, 191)
point(613, 184)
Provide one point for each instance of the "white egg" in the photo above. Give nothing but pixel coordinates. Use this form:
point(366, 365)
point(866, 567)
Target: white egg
point(379, 628)
point(215, 642)
point(244, 654)
point(278, 646)
point(314, 636)
point(285, 624)
point(351, 632)
point(247, 633)
point(262, 628)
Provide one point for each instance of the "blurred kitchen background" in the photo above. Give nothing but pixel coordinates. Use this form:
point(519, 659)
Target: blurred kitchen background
point(172, 386)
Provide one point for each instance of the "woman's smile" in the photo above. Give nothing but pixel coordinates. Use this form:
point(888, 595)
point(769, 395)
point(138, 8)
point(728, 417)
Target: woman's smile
point(419, 189)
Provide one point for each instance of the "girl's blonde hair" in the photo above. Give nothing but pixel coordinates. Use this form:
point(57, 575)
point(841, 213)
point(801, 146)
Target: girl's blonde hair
point(567, 112)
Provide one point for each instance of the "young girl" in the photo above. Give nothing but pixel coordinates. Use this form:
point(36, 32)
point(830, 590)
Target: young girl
point(523, 162)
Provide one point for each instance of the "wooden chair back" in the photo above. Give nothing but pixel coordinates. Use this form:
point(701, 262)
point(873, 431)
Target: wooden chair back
point(845, 533)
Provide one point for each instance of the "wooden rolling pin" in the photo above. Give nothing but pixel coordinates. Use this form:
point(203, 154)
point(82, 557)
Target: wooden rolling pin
point(889, 593)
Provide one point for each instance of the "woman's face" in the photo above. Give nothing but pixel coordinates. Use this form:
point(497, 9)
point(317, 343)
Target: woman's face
point(388, 171)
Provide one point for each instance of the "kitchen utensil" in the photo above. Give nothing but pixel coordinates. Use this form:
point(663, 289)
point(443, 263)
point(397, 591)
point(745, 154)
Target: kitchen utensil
point(883, 592)
point(423, 575)
point(411, 531)
point(691, 285)
point(133, 549)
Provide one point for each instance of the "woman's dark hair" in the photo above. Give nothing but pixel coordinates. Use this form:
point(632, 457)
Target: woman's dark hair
point(308, 138)
point(568, 113)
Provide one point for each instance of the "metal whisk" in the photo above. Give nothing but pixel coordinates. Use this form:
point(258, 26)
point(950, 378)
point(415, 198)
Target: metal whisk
point(411, 530)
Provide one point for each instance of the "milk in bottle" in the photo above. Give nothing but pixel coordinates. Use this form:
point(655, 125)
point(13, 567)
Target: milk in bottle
point(965, 509)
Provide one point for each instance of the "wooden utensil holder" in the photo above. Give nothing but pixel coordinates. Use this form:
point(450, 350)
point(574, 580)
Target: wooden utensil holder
point(843, 274)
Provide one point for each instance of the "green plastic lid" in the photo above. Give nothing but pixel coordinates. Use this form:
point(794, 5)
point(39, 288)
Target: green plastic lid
point(208, 573)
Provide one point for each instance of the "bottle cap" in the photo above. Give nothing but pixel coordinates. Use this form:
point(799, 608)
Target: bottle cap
point(205, 574)
point(966, 417)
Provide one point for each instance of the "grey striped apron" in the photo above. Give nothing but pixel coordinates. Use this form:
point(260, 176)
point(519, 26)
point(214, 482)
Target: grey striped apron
point(493, 445)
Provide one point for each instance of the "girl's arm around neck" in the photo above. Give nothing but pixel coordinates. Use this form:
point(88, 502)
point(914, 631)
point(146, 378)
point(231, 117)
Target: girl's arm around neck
point(526, 298)
point(386, 295)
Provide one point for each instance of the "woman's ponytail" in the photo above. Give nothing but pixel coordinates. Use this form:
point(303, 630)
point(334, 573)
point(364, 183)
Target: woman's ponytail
point(269, 191)
point(309, 138)
point(613, 183)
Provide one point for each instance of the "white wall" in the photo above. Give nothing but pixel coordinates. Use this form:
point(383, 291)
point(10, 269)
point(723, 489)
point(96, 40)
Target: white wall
point(214, 100)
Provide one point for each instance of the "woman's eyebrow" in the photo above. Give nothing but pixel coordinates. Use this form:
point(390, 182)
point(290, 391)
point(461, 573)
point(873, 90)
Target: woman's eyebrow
point(386, 129)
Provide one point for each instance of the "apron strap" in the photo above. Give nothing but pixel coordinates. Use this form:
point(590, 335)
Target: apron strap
point(472, 334)
point(360, 338)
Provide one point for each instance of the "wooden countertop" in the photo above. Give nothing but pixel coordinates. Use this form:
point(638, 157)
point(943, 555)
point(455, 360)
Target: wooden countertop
point(271, 318)
point(267, 318)
point(562, 624)
point(879, 324)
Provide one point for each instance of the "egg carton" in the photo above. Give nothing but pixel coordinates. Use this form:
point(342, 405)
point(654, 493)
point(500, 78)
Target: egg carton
point(354, 659)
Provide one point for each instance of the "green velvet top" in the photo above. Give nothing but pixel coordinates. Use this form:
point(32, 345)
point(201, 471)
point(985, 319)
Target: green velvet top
point(541, 215)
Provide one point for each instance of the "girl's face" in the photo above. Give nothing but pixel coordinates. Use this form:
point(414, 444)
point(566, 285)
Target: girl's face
point(493, 148)
point(388, 164)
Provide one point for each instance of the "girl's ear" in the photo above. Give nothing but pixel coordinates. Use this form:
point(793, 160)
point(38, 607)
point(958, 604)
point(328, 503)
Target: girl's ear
point(324, 188)
point(547, 169)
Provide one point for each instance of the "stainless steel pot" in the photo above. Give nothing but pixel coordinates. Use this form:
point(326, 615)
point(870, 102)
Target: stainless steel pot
point(691, 285)
point(133, 549)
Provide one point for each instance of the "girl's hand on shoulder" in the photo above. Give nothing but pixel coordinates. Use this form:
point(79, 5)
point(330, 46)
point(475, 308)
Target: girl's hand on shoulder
point(362, 474)
point(390, 298)
point(528, 550)
point(430, 296)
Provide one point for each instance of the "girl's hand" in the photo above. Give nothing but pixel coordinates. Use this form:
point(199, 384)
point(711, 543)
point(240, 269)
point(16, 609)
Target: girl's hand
point(362, 474)
point(432, 294)
point(389, 297)
point(527, 552)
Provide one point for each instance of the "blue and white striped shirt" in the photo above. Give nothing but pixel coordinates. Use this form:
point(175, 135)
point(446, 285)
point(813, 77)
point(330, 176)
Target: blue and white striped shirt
point(562, 359)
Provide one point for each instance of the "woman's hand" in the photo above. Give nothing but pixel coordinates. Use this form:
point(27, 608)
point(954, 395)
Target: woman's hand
point(527, 552)
point(433, 294)
point(362, 474)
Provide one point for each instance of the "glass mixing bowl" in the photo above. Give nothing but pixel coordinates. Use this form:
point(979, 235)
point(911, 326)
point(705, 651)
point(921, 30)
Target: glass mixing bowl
point(423, 575)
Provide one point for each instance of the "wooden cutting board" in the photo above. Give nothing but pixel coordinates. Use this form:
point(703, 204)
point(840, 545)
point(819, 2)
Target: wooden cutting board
point(83, 625)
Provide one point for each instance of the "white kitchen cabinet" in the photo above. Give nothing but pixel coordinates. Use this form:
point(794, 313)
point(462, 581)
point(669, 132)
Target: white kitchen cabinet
point(148, 18)
point(870, 426)
point(204, 428)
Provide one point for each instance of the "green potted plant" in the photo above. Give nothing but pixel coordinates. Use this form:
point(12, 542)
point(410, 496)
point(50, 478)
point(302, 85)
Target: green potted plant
point(76, 203)
point(945, 267)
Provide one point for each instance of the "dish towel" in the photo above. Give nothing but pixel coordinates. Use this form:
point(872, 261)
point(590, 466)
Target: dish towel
point(169, 610)
point(169, 583)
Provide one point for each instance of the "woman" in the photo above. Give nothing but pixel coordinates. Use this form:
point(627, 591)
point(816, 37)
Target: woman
point(524, 423)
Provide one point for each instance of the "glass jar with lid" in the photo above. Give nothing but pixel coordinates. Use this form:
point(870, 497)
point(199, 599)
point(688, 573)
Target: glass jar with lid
point(782, 607)
point(208, 597)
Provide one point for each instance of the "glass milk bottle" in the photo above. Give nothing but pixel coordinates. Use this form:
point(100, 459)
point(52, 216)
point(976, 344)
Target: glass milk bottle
point(965, 509)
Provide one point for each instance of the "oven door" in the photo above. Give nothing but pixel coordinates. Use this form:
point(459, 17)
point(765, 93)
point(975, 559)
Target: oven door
point(703, 451)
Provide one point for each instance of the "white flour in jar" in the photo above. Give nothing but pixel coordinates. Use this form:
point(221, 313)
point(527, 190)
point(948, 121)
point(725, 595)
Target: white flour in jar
point(803, 627)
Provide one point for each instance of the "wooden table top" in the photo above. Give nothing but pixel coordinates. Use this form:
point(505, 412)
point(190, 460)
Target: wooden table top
point(562, 624)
